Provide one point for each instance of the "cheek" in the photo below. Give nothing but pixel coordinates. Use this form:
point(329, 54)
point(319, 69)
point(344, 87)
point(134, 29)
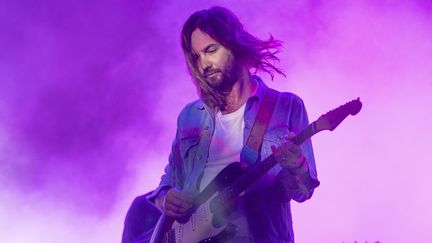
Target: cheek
point(226, 61)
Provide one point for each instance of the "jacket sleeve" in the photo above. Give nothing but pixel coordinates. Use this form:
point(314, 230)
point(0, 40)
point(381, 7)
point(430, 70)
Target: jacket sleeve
point(299, 187)
point(172, 176)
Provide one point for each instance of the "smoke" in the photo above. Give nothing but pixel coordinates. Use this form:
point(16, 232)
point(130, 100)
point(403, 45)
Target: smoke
point(90, 91)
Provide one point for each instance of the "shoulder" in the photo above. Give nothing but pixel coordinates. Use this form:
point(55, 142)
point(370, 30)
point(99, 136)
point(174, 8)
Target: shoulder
point(191, 116)
point(193, 108)
point(284, 98)
point(290, 99)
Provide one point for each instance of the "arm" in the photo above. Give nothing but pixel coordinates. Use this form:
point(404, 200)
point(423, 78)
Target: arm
point(166, 197)
point(298, 178)
point(168, 180)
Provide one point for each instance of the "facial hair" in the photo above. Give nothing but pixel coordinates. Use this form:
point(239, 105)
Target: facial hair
point(223, 79)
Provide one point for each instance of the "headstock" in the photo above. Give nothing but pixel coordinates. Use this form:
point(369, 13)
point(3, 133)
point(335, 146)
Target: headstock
point(333, 118)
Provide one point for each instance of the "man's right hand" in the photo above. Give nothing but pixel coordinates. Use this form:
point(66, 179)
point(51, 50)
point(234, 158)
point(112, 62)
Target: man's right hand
point(175, 203)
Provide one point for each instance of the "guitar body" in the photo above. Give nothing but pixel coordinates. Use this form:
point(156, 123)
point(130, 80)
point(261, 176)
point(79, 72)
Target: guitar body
point(208, 217)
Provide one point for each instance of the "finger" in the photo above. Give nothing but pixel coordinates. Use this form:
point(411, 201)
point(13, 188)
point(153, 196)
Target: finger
point(183, 198)
point(294, 156)
point(178, 202)
point(291, 135)
point(175, 209)
point(294, 149)
point(177, 212)
point(178, 196)
point(297, 152)
point(181, 204)
point(181, 195)
point(174, 214)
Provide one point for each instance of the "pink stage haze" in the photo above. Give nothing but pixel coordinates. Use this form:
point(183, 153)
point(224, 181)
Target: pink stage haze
point(90, 92)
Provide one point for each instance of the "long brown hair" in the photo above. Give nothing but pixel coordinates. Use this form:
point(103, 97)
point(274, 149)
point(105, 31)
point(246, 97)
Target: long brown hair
point(224, 26)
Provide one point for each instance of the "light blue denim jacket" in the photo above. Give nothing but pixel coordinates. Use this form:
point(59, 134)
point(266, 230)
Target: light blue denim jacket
point(267, 200)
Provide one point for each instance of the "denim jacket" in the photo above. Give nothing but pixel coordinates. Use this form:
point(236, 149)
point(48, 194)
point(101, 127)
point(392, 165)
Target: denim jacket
point(268, 199)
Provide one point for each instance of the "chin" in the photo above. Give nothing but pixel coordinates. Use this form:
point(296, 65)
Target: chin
point(220, 81)
point(215, 80)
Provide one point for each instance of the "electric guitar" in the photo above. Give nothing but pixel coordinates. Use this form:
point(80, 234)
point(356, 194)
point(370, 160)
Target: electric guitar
point(206, 224)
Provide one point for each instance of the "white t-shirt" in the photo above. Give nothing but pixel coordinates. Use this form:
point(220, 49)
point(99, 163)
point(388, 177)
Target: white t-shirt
point(226, 144)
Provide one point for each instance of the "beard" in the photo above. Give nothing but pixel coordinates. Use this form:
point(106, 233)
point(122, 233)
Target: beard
point(222, 79)
point(214, 84)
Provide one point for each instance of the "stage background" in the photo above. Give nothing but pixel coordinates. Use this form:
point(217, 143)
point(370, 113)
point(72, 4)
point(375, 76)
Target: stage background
point(90, 92)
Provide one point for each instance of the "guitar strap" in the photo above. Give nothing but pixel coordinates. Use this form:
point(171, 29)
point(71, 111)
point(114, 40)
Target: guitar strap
point(250, 151)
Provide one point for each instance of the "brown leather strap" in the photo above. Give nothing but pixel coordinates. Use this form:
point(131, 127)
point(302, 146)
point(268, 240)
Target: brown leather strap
point(262, 119)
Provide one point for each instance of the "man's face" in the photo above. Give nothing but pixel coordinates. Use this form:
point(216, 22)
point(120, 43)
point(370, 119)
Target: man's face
point(215, 63)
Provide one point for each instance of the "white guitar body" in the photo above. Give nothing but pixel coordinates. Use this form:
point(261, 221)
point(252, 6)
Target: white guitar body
point(197, 228)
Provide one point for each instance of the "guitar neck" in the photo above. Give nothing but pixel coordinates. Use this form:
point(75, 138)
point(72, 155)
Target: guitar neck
point(305, 134)
point(259, 169)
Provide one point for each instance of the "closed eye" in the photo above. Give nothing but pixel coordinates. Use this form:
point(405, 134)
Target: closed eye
point(211, 48)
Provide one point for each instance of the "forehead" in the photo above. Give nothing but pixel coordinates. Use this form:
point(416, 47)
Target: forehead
point(200, 40)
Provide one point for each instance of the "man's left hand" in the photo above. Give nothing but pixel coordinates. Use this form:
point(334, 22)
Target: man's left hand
point(290, 155)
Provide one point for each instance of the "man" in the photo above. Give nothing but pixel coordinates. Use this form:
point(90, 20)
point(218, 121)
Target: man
point(212, 131)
